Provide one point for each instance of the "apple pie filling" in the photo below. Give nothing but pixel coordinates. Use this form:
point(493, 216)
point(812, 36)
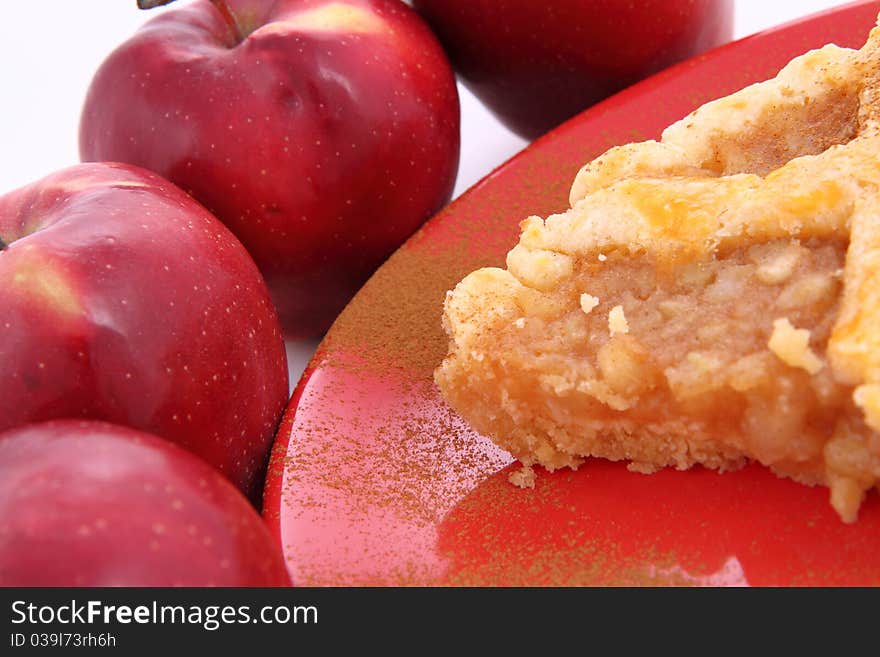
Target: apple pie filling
point(717, 360)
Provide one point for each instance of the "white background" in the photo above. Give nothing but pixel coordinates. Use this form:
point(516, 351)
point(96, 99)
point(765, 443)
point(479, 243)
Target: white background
point(49, 50)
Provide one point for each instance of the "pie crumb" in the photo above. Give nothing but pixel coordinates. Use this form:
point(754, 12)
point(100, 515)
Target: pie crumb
point(792, 346)
point(867, 397)
point(588, 302)
point(523, 478)
point(617, 321)
point(642, 467)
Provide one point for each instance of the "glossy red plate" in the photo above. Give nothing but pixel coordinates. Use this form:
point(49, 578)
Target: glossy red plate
point(375, 481)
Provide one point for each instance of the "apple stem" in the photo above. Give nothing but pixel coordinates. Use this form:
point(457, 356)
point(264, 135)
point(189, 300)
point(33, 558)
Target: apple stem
point(151, 4)
point(230, 19)
point(222, 6)
point(3, 244)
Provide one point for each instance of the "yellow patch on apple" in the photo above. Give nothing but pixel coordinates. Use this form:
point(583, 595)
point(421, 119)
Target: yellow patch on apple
point(335, 17)
point(35, 276)
point(86, 182)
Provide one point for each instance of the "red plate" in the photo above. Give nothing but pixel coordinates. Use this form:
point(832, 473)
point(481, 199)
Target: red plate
point(376, 482)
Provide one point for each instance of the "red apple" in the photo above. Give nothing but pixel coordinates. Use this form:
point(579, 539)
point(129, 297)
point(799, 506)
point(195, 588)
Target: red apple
point(125, 300)
point(535, 64)
point(85, 503)
point(322, 132)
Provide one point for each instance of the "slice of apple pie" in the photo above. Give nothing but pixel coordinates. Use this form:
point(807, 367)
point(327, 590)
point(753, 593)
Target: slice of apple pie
point(709, 299)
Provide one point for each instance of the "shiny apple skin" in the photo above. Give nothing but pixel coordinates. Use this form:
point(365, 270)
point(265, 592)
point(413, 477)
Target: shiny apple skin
point(322, 150)
point(536, 64)
point(85, 503)
point(125, 300)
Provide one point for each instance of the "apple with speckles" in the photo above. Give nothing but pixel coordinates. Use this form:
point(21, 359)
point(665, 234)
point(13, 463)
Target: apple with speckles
point(322, 132)
point(86, 503)
point(535, 64)
point(125, 300)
